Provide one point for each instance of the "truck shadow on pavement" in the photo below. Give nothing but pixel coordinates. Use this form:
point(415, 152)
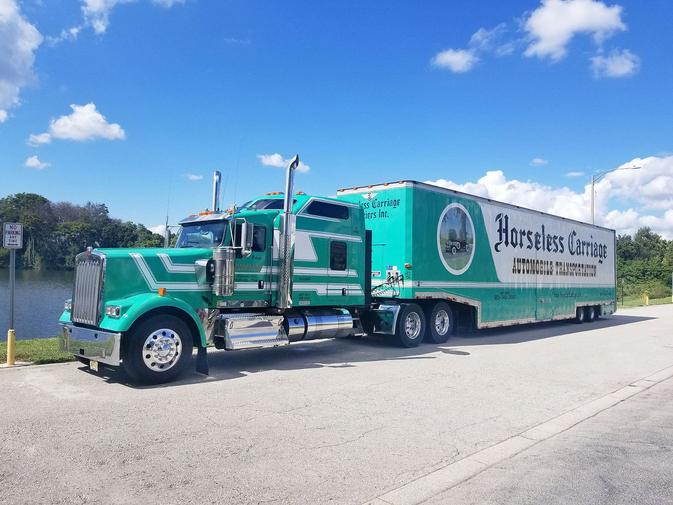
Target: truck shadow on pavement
point(346, 353)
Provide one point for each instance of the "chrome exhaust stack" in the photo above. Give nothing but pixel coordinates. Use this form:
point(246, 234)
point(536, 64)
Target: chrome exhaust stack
point(217, 179)
point(287, 233)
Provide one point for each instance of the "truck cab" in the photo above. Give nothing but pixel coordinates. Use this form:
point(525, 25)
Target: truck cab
point(272, 271)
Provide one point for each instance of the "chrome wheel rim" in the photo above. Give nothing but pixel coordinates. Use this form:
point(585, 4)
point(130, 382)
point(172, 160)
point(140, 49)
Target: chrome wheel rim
point(162, 350)
point(442, 322)
point(412, 325)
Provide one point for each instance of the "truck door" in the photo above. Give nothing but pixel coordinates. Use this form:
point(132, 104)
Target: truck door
point(253, 272)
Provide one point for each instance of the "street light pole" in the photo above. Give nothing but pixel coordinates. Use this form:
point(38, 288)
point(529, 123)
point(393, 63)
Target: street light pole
point(597, 177)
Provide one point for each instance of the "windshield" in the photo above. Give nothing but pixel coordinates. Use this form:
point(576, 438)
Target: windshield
point(201, 235)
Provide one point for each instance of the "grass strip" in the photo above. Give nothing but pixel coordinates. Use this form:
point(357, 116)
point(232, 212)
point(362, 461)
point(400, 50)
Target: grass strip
point(36, 350)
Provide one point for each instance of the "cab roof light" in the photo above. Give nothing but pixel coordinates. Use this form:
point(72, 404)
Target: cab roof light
point(273, 193)
point(206, 212)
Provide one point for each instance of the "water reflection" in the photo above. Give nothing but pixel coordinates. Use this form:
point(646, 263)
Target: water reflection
point(38, 303)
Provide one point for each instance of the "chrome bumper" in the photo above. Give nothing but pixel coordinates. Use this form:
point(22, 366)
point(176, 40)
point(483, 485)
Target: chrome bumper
point(97, 345)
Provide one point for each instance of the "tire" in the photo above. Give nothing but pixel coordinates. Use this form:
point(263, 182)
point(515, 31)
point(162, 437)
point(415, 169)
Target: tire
point(158, 350)
point(590, 313)
point(598, 312)
point(410, 325)
point(580, 315)
point(440, 323)
point(454, 250)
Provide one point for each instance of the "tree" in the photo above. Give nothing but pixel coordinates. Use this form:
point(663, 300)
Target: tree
point(54, 233)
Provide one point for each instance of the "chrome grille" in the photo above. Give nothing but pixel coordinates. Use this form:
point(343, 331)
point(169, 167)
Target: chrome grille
point(86, 296)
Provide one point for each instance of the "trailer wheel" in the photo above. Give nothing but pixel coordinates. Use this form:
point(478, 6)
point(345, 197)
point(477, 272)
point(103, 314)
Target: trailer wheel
point(410, 325)
point(590, 313)
point(158, 350)
point(580, 315)
point(440, 323)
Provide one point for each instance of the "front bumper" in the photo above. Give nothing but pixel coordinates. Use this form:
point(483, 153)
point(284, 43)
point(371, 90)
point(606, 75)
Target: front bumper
point(98, 345)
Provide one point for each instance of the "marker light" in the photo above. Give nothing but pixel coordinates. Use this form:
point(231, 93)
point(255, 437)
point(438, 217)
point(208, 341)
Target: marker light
point(114, 311)
point(161, 291)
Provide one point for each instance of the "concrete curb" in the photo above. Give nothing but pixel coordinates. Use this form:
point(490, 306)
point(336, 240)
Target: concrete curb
point(433, 483)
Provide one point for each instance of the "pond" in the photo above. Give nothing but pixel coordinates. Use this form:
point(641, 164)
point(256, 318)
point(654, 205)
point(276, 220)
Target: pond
point(38, 302)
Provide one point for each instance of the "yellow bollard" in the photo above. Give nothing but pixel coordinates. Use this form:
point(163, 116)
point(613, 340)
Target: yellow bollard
point(646, 298)
point(11, 347)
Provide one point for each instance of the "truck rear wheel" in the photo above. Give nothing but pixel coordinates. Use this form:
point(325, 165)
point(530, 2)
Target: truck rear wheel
point(580, 315)
point(440, 323)
point(410, 325)
point(158, 350)
point(590, 313)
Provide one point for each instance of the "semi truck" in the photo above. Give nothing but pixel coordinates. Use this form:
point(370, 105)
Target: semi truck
point(288, 267)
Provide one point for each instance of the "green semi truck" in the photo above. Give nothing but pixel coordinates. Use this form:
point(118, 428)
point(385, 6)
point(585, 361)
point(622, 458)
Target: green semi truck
point(406, 259)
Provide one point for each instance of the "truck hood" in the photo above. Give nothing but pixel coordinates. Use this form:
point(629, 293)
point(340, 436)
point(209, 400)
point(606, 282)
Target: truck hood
point(133, 271)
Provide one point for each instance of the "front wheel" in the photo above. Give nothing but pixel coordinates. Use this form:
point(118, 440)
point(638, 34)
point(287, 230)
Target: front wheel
point(410, 325)
point(158, 350)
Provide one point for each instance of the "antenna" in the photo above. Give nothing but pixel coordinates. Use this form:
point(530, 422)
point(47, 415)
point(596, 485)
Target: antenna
point(168, 206)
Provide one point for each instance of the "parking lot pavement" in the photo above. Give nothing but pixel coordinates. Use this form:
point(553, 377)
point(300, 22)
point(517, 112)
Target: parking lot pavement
point(340, 421)
point(621, 456)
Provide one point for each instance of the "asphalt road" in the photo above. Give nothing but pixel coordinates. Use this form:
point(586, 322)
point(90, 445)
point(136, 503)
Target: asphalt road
point(621, 456)
point(347, 421)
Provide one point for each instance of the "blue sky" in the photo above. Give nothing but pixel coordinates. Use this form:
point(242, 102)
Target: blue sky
point(364, 91)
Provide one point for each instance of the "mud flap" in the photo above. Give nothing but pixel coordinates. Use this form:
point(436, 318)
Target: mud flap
point(202, 360)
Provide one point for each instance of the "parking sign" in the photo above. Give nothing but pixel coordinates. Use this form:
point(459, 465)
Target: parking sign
point(12, 237)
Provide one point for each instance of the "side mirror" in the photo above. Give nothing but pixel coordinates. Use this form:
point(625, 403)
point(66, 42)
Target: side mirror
point(246, 238)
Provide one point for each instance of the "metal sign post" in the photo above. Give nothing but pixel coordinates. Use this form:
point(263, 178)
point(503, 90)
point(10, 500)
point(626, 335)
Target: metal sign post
point(12, 239)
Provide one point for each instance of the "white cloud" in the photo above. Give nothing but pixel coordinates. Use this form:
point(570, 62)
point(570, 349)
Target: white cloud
point(277, 160)
point(647, 195)
point(456, 60)
point(84, 123)
point(168, 3)
point(553, 25)
point(193, 177)
point(491, 40)
point(616, 64)
point(538, 162)
point(36, 139)
point(18, 42)
point(574, 174)
point(97, 12)
point(549, 29)
point(34, 162)
point(160, 229)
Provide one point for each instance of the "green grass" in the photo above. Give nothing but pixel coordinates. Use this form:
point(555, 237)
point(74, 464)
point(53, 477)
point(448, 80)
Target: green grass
point(36, 350)
point(637, 301)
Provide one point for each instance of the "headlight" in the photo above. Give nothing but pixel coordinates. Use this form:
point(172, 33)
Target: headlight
point(67, 306)
point(113, 311)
